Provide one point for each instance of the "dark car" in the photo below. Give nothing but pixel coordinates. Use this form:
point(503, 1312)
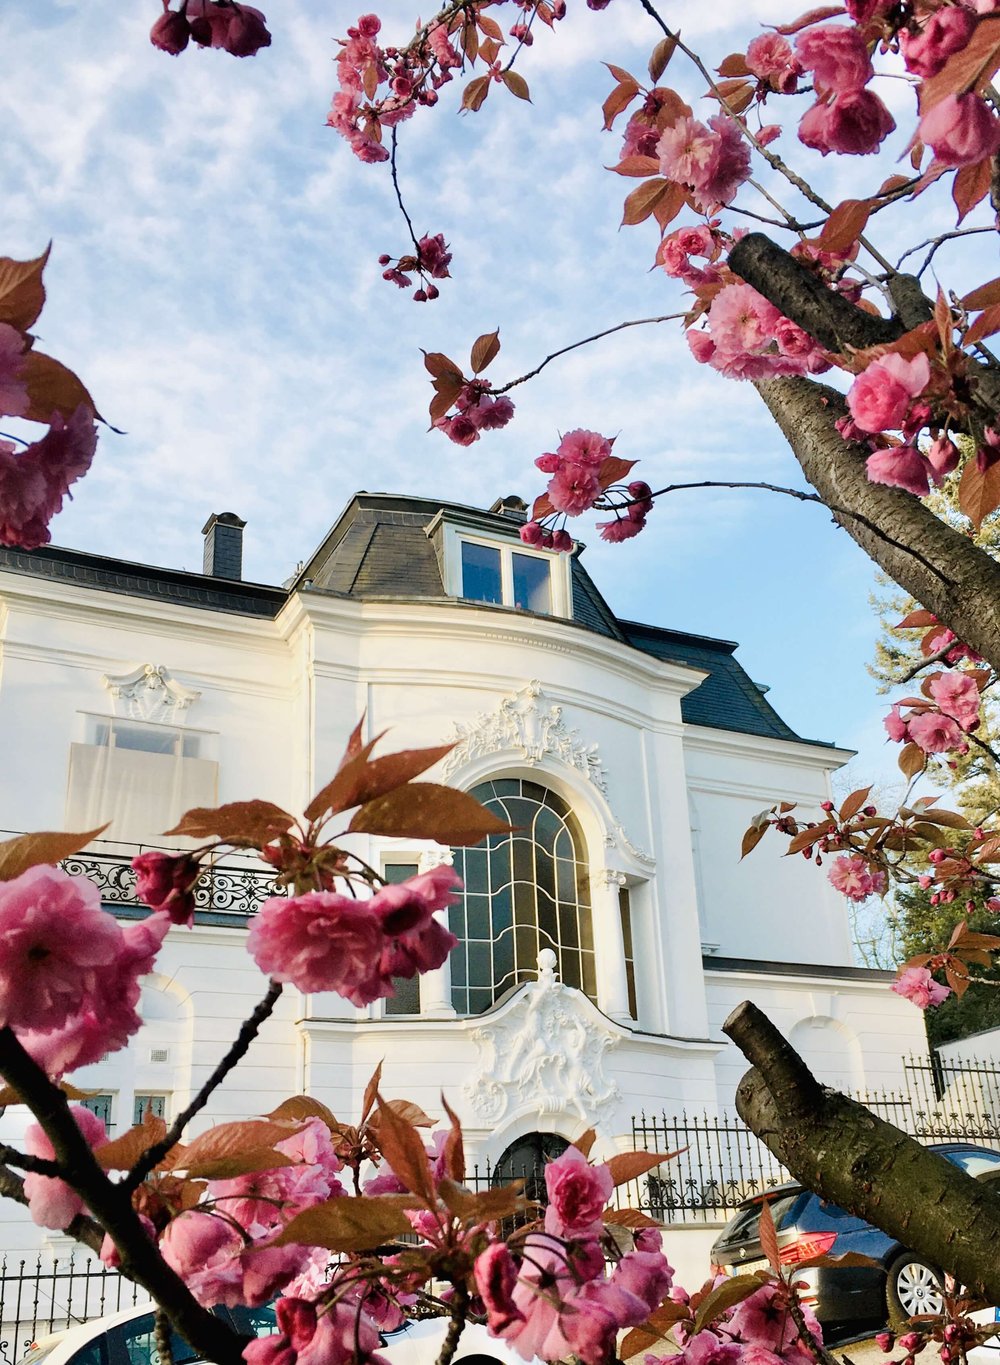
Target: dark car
point(845, 1299)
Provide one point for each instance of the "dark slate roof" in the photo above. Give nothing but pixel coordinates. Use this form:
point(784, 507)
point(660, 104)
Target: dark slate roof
point(380, 549)
point(728, 699)
point(144, 580)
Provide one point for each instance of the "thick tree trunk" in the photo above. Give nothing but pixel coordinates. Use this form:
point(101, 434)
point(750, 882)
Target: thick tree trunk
point(843, 1152)
point(937, 565)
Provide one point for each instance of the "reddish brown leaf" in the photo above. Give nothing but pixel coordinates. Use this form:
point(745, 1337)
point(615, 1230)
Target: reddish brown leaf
point(31, 850)
point(447, 392)
point(440, 366)
point(246, 823)
point(52, 388)
point(971, 186)
point(672, 107)
point(641, 202)
point(659, 58)
point(298, 1108)
point(912, 760)
point(854, 802)
point(959, 982)
point(613, 470)
point(769, 1237)
point(484, 350)
point(752, 838)
point(489, 50)
point(951, 819)
point(636, 166)
point(982, 297)
point(734, 65)
point(470, 41)
point(516, 84)
point(629, 1218)
point(920, 617)
point(235, 1142)
point(22, 293)
point(845, 224)
point(620, 98)
point(371, 1092)
point(542, 507)
point(968, 68)
point(486, 1206)
point(987, 323)
point(407, 1110)
point(736, 94)
point(585, 1141)
point(364, 779)
point(894, 182)
point(490, 27)
point(425, 810)
point(123, 1152)
point(655, 1327)
point(403, 1148)
point(812, 16)
point(625, 1166)
point(454, 1149)
point(666, 209)
point(475, 93)
point(620, 74)
point(979, 492)
point(350, 1223)
point(727, 1295)
point(807, 837)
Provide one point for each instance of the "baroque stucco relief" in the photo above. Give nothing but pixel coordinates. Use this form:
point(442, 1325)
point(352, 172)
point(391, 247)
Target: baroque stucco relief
point(547, 1052)
point(149, 693)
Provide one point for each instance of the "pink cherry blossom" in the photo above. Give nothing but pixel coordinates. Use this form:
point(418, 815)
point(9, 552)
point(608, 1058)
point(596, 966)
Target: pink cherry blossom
point(946, 31)
point(900, 467)
point(750, 339)
point(166, 882)
point(957, 695)
point(771, 59)
point(204, 1250)
point(573, 488)
point(711, 161)
point(53, 938)
point(578, 1193)
point(918, 986)
point(584, 447)
point(320, 941)
point(934, 733)
point(838, 58)
point(51, 1202)
point(895, 725)
point(622, 528)
point(943, 457)
point(880, 395)
point(852, 877)
point(855, 123)
point(961, 130)
point(171, 32)
point(496, 1277)
point(414, 941)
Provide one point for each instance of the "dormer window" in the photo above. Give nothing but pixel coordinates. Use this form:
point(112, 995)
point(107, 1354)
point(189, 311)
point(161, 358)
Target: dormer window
point(506, 576)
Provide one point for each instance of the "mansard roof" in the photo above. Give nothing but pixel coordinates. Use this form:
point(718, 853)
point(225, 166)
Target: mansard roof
point(380, 549)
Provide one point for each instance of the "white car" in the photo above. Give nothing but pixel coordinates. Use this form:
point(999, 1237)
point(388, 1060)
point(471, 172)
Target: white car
point(127, 1338)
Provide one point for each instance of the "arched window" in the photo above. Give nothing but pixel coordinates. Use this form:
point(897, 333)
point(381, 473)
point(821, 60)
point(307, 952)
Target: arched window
point(526, 1160)
point(523, 892)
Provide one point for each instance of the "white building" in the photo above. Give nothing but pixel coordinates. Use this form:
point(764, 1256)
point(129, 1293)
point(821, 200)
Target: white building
point(631, 757)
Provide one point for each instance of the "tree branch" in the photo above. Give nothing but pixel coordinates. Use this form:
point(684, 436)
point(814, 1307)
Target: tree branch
point(585, 341)
point(848, 1155)
point(951, 577)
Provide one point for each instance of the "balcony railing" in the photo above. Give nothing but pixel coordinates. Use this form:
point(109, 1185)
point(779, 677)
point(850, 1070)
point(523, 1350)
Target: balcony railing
point(227, 894)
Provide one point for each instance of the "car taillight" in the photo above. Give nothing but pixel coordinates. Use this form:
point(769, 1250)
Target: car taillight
point(806, 1246)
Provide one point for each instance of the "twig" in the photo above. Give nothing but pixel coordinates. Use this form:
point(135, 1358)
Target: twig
point(937, 657)
point(994, 757)
point(812, 1344)
point(459, 1313)
point(37, 1165)
point(585, 341)
point(248, 1032)
point(935, 242)
point(399, 196)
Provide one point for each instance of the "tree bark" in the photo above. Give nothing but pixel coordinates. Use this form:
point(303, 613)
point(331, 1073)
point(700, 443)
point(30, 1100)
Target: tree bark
point(934, 563)
point(840, 1150)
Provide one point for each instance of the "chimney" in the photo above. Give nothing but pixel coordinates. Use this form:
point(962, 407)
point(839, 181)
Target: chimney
point(512, 506)
point(223, 534)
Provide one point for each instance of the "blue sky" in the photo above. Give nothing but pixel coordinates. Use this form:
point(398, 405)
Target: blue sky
point(214, 281)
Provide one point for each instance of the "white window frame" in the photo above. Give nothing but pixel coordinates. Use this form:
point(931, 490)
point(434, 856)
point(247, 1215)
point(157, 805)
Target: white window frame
point(559, 570)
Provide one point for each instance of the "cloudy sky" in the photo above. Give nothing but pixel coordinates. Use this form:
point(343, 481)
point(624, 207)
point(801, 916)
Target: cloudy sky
point(214, 282)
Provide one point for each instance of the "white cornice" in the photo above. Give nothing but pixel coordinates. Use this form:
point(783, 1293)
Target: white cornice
point(788, 751)
point(745, 978)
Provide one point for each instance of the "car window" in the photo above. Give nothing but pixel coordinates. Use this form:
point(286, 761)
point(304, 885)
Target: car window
point(743, 1226)
point(94, 1353)
point(255, 1322)
point(139, 1341)
point(975, 1163)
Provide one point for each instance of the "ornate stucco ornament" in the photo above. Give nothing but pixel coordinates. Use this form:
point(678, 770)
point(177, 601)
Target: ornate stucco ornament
point(546, 1052)
point(531, 724)
point(149, 693)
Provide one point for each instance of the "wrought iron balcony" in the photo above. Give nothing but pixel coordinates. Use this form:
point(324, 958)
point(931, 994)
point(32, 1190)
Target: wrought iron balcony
point(228, 894)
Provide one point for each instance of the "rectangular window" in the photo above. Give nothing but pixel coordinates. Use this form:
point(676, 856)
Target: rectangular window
point(101, 1106)
point(625, 908)
point(481, 578)
point(406, 999)
point(530, 576)
point(153, 1104)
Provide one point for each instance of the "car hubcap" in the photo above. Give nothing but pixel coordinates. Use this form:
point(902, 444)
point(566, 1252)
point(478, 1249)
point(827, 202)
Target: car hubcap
point(918, 1289)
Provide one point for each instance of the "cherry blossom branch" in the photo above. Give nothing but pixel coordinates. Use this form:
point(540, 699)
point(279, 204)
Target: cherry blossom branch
point(37, 1165)
point(585, 341)
point(937, 657)
point(248, 1032)
point(399, 196)
point(459, 1313)
point(813, 1345)
point(935, 242)
point(111, 1205)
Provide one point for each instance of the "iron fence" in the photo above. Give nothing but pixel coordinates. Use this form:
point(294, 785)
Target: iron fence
point(40, 1296)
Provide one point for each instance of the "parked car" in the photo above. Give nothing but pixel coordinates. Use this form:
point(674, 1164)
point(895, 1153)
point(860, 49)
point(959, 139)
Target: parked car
point(845, 1299)
point(127, 1338)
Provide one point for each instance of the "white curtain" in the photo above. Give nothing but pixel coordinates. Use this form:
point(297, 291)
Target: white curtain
point(142, 794)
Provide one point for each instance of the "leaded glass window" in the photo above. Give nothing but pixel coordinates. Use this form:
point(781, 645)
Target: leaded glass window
point(524, 891)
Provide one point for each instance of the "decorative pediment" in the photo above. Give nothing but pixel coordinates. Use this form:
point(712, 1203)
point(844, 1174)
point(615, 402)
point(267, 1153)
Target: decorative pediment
point(149, 693)
point(546, 1052)
point(529, 724)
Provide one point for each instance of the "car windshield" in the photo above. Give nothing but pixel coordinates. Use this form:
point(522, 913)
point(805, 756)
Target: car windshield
point(34, 1354)
point(976, 1162)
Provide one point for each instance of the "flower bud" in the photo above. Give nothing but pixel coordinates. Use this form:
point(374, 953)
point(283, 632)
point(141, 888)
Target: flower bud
point(171, 32)
point(531, 533)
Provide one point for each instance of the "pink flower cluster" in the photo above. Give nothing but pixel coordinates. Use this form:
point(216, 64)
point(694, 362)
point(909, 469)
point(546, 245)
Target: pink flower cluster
point(166, 882)
point(431, 263)
point(940, 724)
point(341, 1334)
point(711, 162)
point(961, 130)
point(558, 1300)
point(237, 28)
point(747, 338)
point(575, 466)
point(918, 986)
point(625, 526)
point(324, 941)
point(846, 118)
point(890, 395)
point(853, 877)
point(34, 481)
point(51, 1202)
point(770, 58)
point(476, 410)
point(677, 248)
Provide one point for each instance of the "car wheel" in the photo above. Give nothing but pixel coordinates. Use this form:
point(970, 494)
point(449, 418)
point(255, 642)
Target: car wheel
point(912, 1286)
